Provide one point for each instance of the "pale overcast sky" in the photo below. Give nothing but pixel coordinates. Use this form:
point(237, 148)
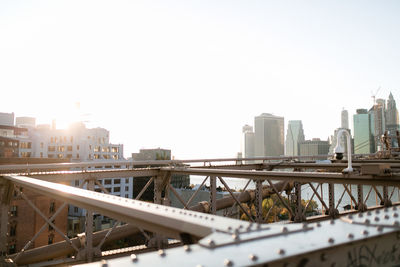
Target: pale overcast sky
point(187, 75)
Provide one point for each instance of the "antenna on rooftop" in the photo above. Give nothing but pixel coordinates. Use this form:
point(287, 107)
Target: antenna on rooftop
point(374, 95)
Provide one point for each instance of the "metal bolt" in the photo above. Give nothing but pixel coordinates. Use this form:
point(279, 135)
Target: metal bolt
point(376, 219)
point(134, 258)
point(332, 222)
point(211, 243)
point(104, 263)
point(253, 257)
point(284, 229)
point(350, 217)
point(228, 262)
point(229, 228)
point(235, 237)
point(350, 235)
point(367, 221)
point(318, 224)
point(161, 252)
point(360, 215)
point(281, 251)
point(369, 213)
point(364, 232)
point(380, 229)
point(395, 215)
point(331, 240)
point(187, 248)
point(387, 217)
point(396, 223)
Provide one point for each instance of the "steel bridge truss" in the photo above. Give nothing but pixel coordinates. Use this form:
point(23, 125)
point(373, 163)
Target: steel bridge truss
point(197, 223)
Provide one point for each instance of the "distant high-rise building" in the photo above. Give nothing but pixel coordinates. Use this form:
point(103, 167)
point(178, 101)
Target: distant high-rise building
point(345, 119)
point(248, 145)
point(378, 122)
point(269, 135)
point(363, 137)
point(294, 135)
point(25, 122)
point(7, 119)
point(392, 115)
point(313, 147)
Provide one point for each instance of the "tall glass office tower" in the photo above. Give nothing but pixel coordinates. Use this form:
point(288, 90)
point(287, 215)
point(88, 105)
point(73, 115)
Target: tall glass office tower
point(269, 135)
point(363, 132)
point(294, 135)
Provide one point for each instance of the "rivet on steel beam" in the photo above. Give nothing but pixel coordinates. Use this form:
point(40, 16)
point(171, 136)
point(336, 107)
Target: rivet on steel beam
point(211, 243)
point(350, 217)
point(331, 240)
point(360, 215)
point(364, 232)
point(369, 213)
point(395, 215)
point(281, 251)
point(394, 208)
point(228, 262)
point(376, 219)
point(377, 212)
point(386, 217)
point(350, 235)
point(284, 229)
point(367, 221)
point(304, 225)
point(332, 222)
point(235, 237)
point(318, 224)
point(187, 248)
point(134, 258)
point(161, 252)
point(396, 223)
point(104, 263)
point(253, 257)
point(380, 229)
point(229, 228)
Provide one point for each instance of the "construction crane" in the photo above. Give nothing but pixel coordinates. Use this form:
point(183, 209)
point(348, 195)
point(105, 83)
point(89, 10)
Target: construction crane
point(374, 95)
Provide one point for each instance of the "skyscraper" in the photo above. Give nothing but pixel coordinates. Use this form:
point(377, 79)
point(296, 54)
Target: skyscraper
point(269, 135)
point(248, 142)
point(363, 138)
point(391, 114)
point(294, 135)
point(345, 119)
point(378, 122)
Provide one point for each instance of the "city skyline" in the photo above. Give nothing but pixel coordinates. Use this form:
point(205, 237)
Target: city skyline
point(188, 75)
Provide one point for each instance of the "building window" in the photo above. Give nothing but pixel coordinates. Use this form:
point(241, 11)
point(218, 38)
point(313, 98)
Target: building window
point(51, 148)
point(51, 140)
point(51, 239)
point(117, 189)
point(117, 181)
point(51, 227)
point(69, 148)
point(61, 148)
point(13, 230)
point(127, 180)
point(115, 156)
point(14, 211)
point(50, 156)
point(114, 150)
point(72, 139)
point(126, 188)
point(60, 156)
point(12, 249)
point(41, 154)
point(76, 209)
point(52, 207)
point(77, 156)
point(107, 181)
point(127, 195)
point(76, 182)
point(77, 147)
point(69, 156)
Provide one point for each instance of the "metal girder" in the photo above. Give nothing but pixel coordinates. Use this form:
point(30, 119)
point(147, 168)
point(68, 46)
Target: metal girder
point(62, 249)
point(171, 222)
point(305, 177)
point(369, 239)
point(94, 174)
